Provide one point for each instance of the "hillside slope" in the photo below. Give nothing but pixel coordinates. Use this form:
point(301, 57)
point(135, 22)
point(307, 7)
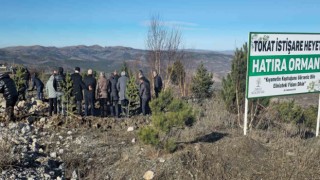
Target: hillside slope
point(104, 58)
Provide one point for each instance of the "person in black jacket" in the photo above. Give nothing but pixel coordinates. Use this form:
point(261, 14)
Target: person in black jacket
point(89, 93)
point(141, 75)
point(78, 86)
point(61, 82)
point(157, 83)
point(36, 82)
point(114, 96)
point(145, 95)
point(10, 94)
point(116, 75)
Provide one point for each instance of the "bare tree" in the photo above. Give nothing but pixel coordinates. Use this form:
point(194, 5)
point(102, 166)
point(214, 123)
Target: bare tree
point(164, 45)
point(156, 42)
point(173, 45)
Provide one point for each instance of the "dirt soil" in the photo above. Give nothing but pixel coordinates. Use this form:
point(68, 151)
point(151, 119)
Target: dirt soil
point(217, 155)
point(214, 148)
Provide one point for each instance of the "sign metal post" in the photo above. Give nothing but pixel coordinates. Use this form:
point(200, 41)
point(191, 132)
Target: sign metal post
point(318, 119)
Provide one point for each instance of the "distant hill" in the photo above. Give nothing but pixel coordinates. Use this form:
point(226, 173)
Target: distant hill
point(104, 58)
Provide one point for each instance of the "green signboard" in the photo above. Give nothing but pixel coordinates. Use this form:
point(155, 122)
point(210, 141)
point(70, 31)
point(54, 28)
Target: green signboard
point(283, 64)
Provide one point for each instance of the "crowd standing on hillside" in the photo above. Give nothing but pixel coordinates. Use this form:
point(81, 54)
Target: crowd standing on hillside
point(109, 92)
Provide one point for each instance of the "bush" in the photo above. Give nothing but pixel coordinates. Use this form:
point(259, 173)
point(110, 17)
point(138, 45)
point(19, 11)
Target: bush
point(149, 135)
point(170, 145)
point(160, 104)
point(168, 113)
point(310, 115)
point(289, 112)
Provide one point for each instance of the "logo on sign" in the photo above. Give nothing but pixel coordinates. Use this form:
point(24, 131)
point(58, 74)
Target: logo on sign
point(258, 89)
point(258, 82)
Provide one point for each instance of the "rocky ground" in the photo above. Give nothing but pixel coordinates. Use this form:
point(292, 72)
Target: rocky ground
point(39, 147)
point(30, 156)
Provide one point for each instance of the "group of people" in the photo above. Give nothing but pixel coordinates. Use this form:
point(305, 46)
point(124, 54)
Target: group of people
point(54, 88)
point(109, 92)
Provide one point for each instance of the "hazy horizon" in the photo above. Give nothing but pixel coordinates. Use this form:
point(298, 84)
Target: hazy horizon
point(111, 46)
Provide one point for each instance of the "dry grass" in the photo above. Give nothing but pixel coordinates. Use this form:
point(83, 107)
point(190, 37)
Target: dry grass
point(75, 162)
point(7, 160)
point(211, 117)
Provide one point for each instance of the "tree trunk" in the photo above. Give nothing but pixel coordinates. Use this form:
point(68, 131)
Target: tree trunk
point(238, 106)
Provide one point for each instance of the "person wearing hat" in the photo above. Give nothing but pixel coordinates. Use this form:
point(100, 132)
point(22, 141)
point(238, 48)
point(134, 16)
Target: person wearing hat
point(78, 86)
point(89, 92)
point(10, 94)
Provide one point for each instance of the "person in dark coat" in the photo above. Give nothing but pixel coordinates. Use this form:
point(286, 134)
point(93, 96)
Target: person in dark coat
point(122, 88)
point(61, 82)
point(78, 86)
point(114, 96)
point(116, 75)
point(36, 82)
point(141, 75)
point(145, 95)
point(157, 83)
point(10, 94)
point(89, 93)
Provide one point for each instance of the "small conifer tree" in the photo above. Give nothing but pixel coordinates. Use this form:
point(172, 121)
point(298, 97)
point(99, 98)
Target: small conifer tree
point(68, 98)
point(201, 84)
point(168, 115)
point(132, 93)
point(20, 82)
point(234, 87)
point(177, 73)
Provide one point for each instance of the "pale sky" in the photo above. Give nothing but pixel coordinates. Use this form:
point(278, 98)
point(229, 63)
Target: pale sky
point(205, 24)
